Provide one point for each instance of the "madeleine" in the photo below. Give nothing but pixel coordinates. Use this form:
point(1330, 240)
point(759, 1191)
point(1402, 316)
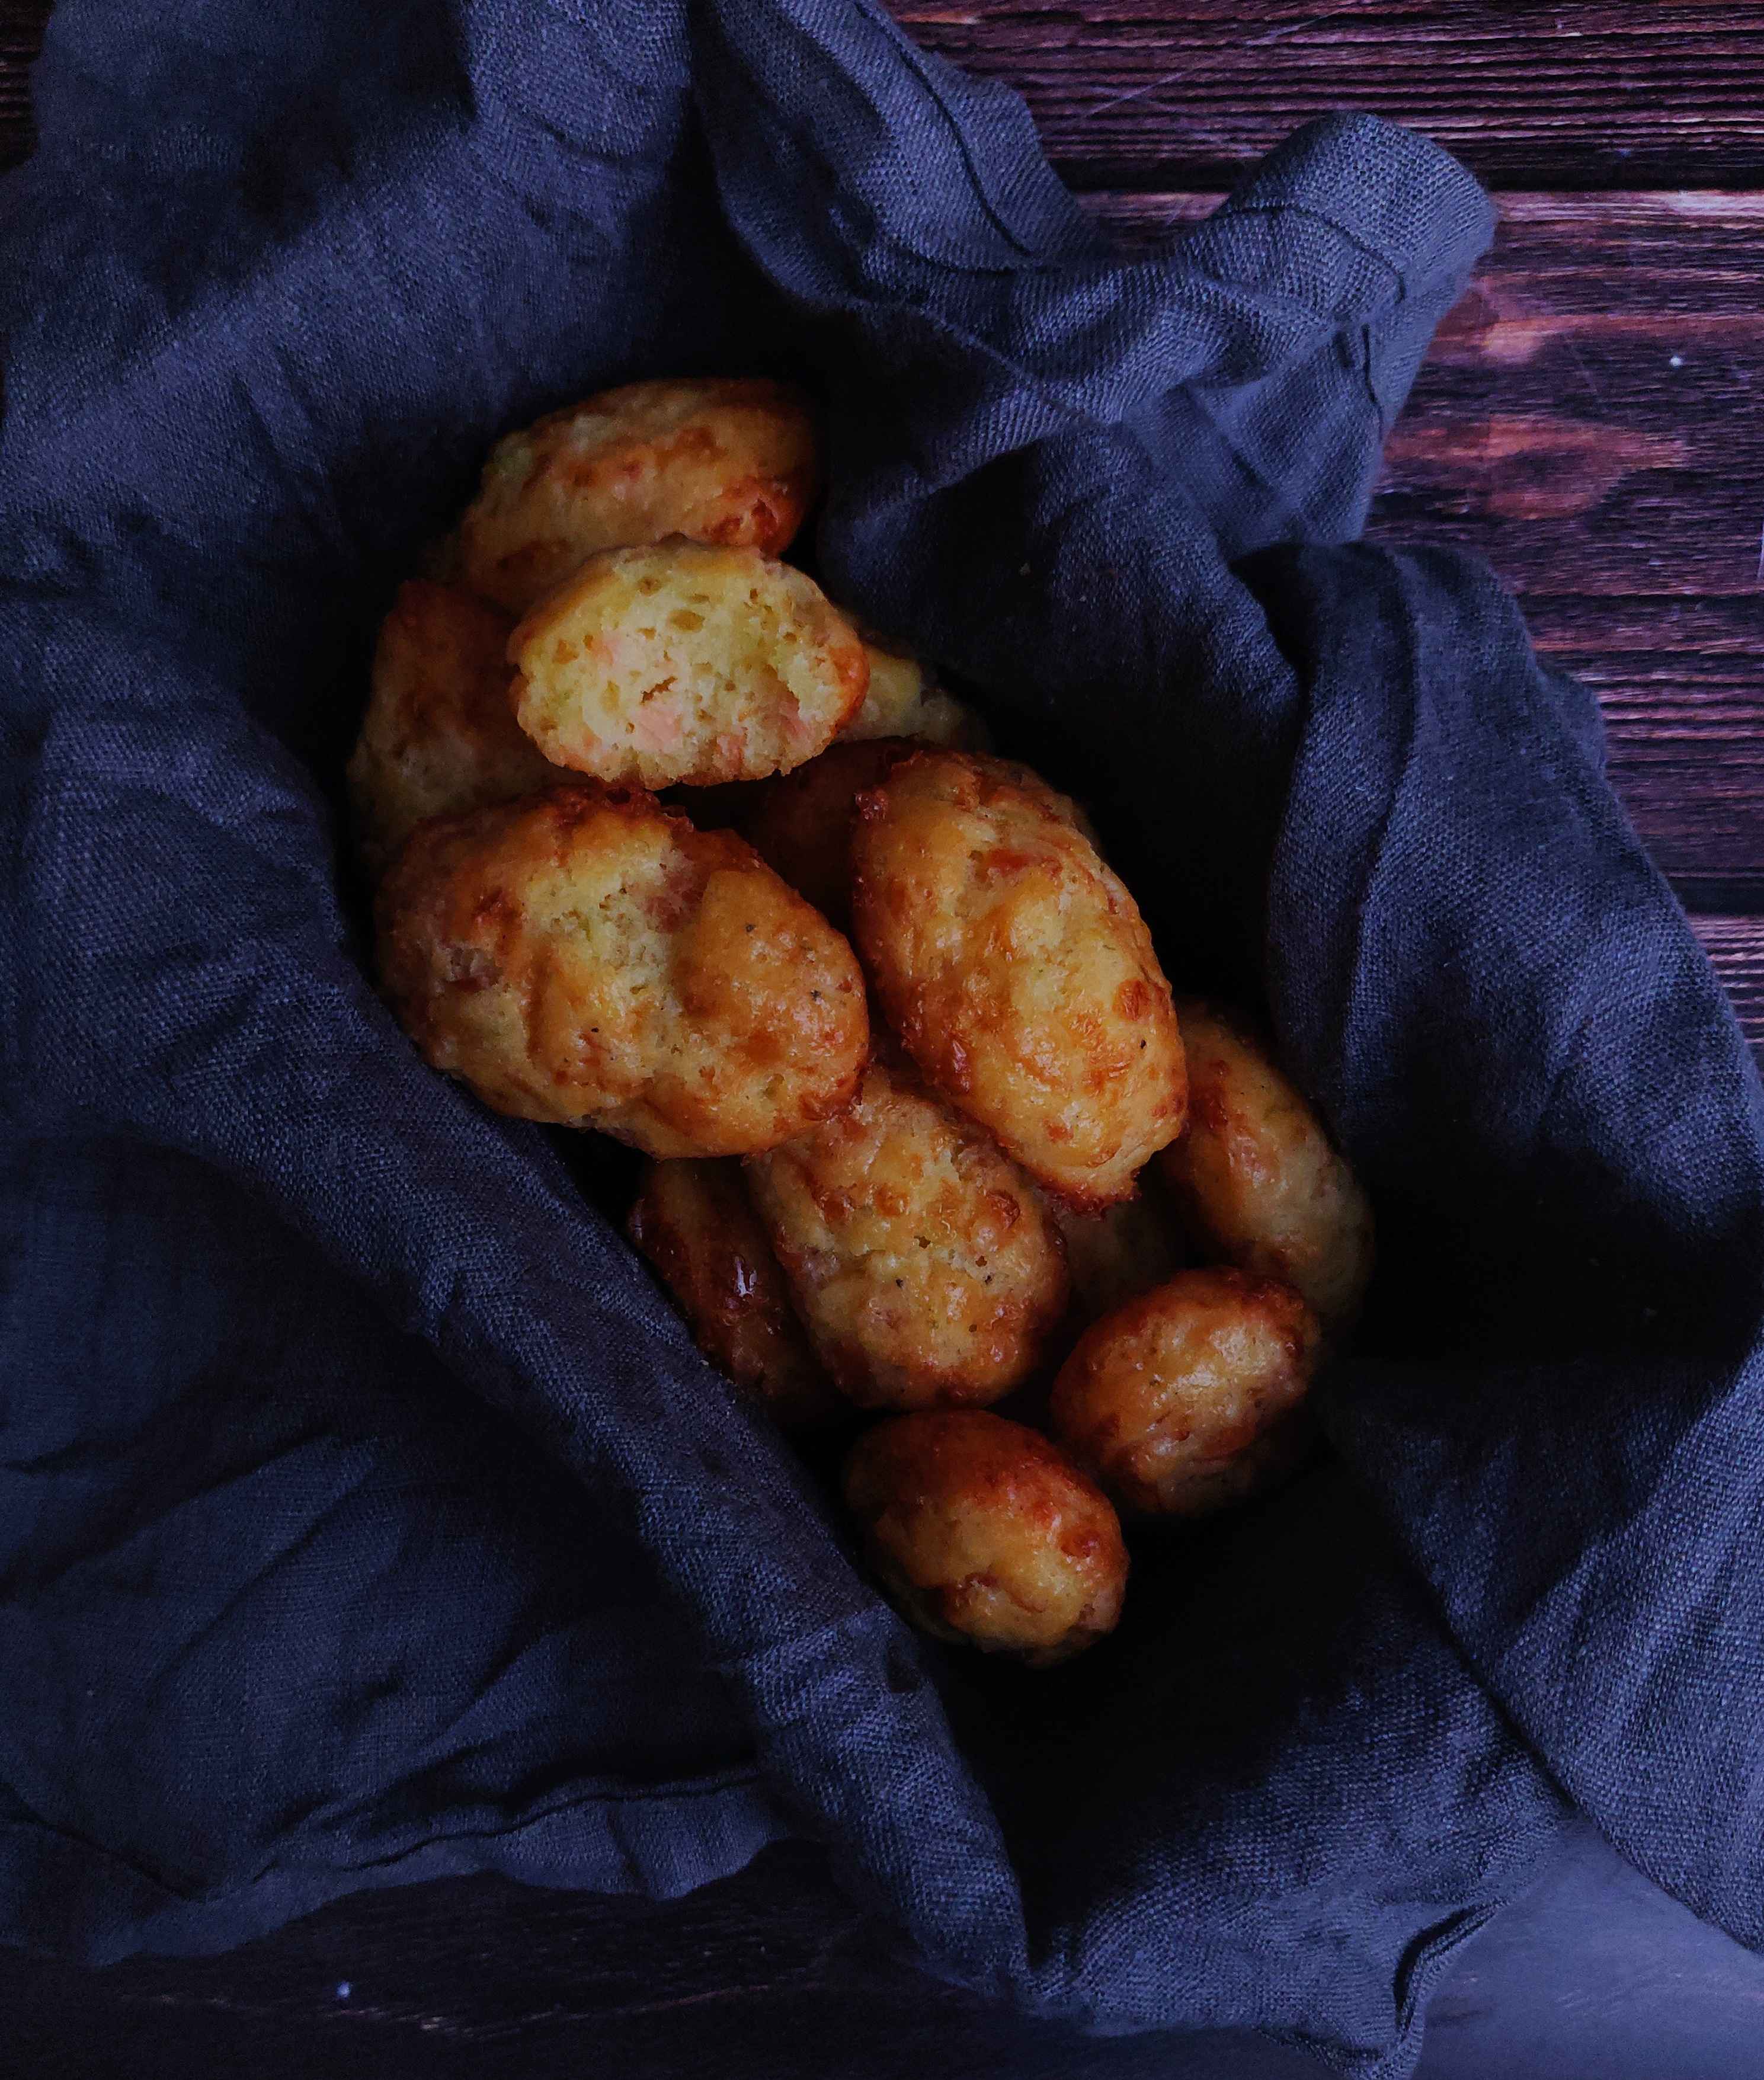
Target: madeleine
point(683, 665)
point(586, 958)
point(903, 699)
point(439, 735)
point(1115, 1257)
point(696, 1225)
point(982, 1531)
point(924, 1267)
point(729, 462)
point(1017, 972)
point(800, 823)
point(1188, 1399)
point(1256, 1177)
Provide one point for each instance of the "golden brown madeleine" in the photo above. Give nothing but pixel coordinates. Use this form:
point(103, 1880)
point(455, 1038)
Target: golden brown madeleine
point(696, 1224)
point(800, 822)
point(1115, 1257)
point(1255, 1177)
point(1017, 970)
point(1188, 1398)
point(439, 735)
point(584, 957)
point(923, 1264)
point(731, 462)
point(903, 700)
point(981, 1530)
point(683, 664)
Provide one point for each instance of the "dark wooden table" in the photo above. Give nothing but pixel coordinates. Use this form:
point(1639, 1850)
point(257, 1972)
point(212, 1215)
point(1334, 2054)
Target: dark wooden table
point(1592, 421)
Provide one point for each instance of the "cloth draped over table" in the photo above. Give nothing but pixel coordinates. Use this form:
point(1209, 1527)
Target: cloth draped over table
point(365, 1514)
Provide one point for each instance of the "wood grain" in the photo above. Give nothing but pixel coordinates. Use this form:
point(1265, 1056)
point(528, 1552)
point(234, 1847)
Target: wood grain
point(1589, 420)
point(1735, 946)
point(1185, 94)
point(21, 38)
point(769, 1975)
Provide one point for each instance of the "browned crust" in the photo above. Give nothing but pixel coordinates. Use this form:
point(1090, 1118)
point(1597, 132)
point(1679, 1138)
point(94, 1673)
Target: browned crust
point(698, 477)
point(1191, 1397)
point(800, 823)
point(983, 1532)
point(695, 1223)
point(1081, 1088)
point(923, 1264)
point(439, 736)
point(749, 1023)
point(1258, 1183)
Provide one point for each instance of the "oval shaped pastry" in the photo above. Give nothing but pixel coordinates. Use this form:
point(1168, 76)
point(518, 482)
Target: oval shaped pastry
point(696, 1224)
point(683, 664)
point(1188, 1398)
point(1017, 970)
point(585, 957)
point(982, 1531)
point(731, 462)
point(1255, 1175)
point(439, 735)
point(923, 1266)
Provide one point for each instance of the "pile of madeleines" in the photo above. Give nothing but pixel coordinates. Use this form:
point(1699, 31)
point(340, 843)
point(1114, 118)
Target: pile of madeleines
point(666, 845)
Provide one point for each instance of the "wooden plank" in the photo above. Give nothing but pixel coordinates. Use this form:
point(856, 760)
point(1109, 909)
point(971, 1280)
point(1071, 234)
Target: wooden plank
point(1612, 350)
point(22, 24)
point(1682, 686)
point(1594, 393)
point(1186, 93)
point(1590, 421)
point(771, 1972)
point(1735, 946)
point(1178, 93)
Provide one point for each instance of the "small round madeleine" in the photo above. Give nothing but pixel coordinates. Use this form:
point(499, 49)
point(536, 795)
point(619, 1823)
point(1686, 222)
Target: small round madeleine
point(1256, 1177)
point(681, 664)
point(924, 1266)
point(903, 700)
point(696, 1225)
point(439, 735)
point(1017, 972)
point(731, 462)
point(1188, 1399)
point(1115, 1257)
point(982, 1531)
point(585, 957)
